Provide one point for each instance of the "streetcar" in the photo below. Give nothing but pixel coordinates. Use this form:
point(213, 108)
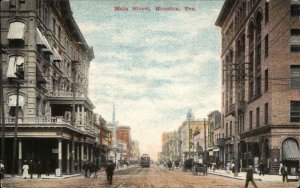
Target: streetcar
point(145, 161)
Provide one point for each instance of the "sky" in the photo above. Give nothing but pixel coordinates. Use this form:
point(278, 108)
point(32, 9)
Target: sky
point(153, 65)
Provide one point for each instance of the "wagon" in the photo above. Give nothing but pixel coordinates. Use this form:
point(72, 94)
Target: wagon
point(199, 167)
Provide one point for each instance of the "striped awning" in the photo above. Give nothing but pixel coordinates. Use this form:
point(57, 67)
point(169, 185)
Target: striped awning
point(290, 150)
point(47, 50)
point(14, 61)
point(39, 39)
point(56, 57)
point(12, 100)
point(16, 31)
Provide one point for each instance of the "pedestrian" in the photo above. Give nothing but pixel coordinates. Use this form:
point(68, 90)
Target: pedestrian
point(110, 167)
point(25, 168)
point(261, 168)
point(47, 168)
point(284, 173)
point(39, 169)
point(2, 170)
point(31, 168)
point(249, 177)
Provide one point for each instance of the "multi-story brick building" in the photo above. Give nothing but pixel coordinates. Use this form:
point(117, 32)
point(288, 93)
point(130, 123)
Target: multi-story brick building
point(260, 82)
point(124, 137)
point(45, 52)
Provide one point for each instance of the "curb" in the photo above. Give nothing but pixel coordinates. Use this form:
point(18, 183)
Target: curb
point(232, 177)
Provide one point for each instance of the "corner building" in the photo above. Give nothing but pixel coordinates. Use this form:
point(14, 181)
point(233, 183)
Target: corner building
point(261, 82)
point(47, 54)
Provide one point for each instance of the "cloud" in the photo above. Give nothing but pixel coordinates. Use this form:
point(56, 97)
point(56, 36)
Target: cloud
point(154, 66)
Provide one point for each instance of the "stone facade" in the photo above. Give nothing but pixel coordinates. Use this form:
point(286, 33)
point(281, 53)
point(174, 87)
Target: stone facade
point(47, 56)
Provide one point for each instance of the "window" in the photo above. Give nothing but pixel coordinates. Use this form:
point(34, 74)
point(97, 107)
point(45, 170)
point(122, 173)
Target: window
point(295, 111)
point(295, 8)
point(266, 46)
point(266, 80)
point(295, 40)
point(15, 67)
point(266, 12)
point(226, 131)
point(250, 120)
point(258, 87)
point(230, 128)
point(54, 26)
point(257, 117)
point(295, 76)
point(266, 113)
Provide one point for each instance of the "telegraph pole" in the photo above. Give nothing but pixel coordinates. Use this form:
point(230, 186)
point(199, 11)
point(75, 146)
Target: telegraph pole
point(205, 154)
point(2, 100)
point(16, 128)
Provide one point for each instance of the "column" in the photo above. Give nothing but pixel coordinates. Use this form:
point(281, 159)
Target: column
point(68, 157)
point(78, 159)
point(60, 155)
point(73, 157)
point(87, 153)
point(82, 153)
point(77, 115)
point(247, 155)
point(82, 115)
point(20, 157)
point(92, 154)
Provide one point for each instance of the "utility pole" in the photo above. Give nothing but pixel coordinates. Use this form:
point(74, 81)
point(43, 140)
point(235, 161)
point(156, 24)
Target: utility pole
point(189, 115)
point(16, 128)
point(205, 154)
point(2, 100)
point(236, 119)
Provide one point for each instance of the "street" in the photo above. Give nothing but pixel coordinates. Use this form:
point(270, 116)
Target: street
point(136, 177)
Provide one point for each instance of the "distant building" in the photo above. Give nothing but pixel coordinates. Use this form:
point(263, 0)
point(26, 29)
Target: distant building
point(124, 136)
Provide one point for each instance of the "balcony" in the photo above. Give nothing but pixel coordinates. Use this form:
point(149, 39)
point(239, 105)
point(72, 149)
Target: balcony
point(242, 106)
point(66, 95)
point(230, 110)
point(53, 122)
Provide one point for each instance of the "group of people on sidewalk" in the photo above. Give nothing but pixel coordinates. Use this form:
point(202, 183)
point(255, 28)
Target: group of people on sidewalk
point(30, 167)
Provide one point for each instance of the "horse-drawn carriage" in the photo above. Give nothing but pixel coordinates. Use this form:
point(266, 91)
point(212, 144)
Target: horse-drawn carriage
point(199, 167)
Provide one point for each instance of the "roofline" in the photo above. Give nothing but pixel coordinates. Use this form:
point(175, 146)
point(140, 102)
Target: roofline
point(224, 12)
point(67, 16)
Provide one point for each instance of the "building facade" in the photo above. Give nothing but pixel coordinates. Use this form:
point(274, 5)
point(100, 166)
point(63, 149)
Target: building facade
point(45, 85)
point(124, 138)
point(213, 124)
point(260, 82)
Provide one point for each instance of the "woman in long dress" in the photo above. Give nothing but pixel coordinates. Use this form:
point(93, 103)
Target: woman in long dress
point(25, 171)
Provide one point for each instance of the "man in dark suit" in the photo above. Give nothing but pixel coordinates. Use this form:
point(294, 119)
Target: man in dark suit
point(249, 177)
point(110, 167)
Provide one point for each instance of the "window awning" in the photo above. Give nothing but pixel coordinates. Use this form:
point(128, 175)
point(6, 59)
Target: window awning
point(39, 39)
point(48, 49)
point(12, 100)
point(16, 31)
point(56, 56)
point(290, 150)
point(14, 61)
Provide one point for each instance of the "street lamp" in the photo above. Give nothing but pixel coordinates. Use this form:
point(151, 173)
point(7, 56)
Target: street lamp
point(189, 115)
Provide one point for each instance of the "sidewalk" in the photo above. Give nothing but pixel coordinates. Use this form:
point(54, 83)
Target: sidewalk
point(257, 177)
point(65, 176)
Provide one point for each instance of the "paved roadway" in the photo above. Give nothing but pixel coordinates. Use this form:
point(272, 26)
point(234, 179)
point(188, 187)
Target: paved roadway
point(136, 177)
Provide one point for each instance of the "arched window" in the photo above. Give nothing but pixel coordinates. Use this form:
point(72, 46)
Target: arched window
point(290, 150)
